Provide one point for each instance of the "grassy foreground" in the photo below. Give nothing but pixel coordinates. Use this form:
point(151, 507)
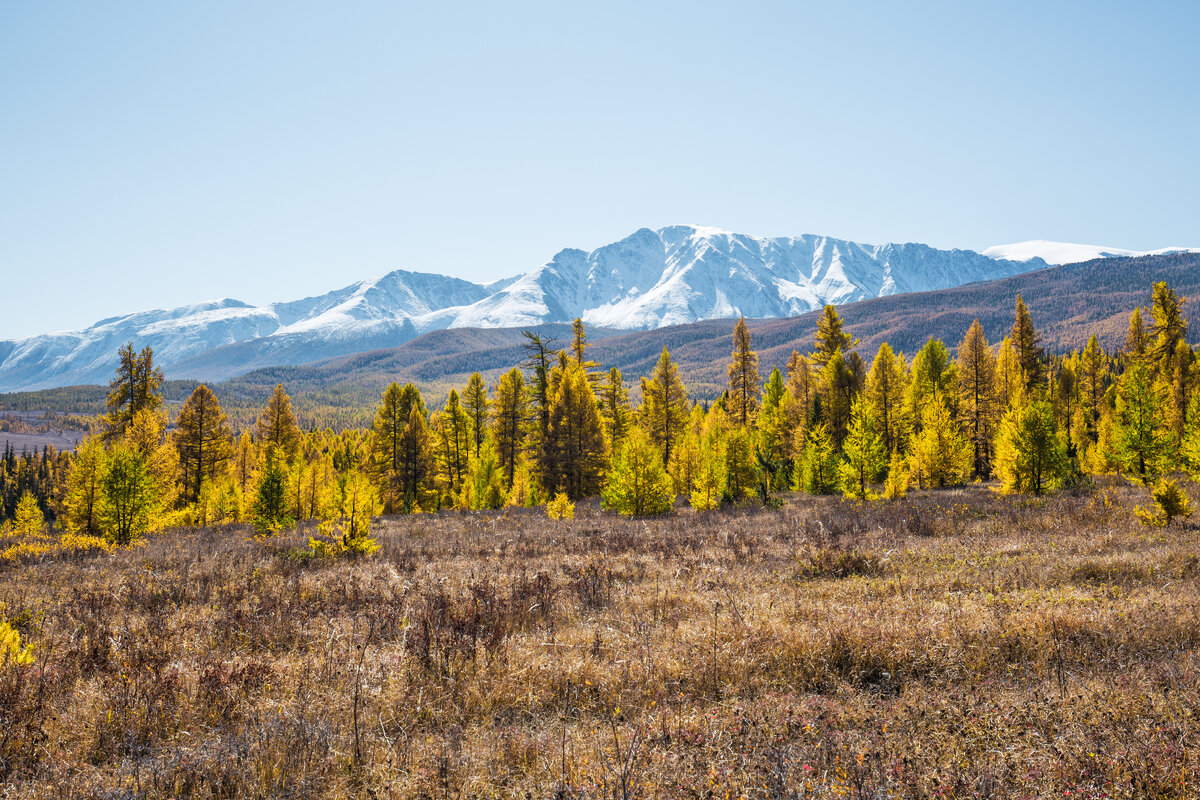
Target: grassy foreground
point(957, 644)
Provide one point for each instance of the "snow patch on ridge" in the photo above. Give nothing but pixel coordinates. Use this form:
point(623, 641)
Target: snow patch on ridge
point(1067, 253)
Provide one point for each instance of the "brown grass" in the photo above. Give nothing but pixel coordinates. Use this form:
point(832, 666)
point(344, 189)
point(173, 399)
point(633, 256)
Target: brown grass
point(957, 644)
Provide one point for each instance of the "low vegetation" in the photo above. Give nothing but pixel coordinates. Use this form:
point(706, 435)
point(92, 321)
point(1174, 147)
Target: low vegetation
point(955, 644)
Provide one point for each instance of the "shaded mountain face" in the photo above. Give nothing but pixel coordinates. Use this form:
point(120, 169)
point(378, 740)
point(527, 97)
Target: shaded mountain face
point(651, 279)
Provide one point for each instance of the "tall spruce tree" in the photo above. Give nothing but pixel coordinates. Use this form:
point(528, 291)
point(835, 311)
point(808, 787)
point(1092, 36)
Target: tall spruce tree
point(886, 387)
point(539, 354)
point(1137, 344)
point(203, 439)
point(1142, 441)
point(866, 455)
point(977, 404)
point(134, 388)
point(453, 435)
point(802, 393)
point(509, 423)
point(576, 436)
point(743, 377)
point(277, 424)
point(614, 409)
point(664, 409)
point(1093, 382)
point(475, 402)
point(82, 499)
point(830, 337)
point(638, 485)
point(1031, 457)
point(1026, 345)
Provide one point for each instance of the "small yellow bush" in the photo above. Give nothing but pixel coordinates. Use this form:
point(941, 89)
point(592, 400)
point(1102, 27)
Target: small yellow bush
point(10, 646)
point(1171, 503)
point(560, 507)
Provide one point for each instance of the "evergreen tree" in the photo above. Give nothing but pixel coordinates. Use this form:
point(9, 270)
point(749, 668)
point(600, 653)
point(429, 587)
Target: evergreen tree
point(817, 470)
point(1170, 327)
point(576, 436)
point(830, 337)
point(638, 485)
point(614, 409)
point(708, 486)
point(934, 379)
point(475, 401)
point(203, 439)
point(1031, 457)
point(1142, 441)
point(977, 395)
point(134, 388)
point(801, 399)
point(1136, 340)
point(866, 455)
point(773, 431)
point(453, 429)
point(29, 519)
point(579, 346)
point(509, 423)
point(741, 466)
point(839, 387)
point(82, 499)
point(1093, 380)
point(1026, 345)
point(1009, 382)
point(410, 486)
point(743, 377)
point(537, 360)
point(126, 495)
point(243, 463)
point(1190, 444)
point(270, 507)
point(940, 456)
point(394, 460)
point(885, 391)
point(277, 425)
point(664, 409)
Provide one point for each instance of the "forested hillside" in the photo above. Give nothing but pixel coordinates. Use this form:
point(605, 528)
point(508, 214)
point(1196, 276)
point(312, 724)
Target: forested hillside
point(561, 422)
point(1071, 302)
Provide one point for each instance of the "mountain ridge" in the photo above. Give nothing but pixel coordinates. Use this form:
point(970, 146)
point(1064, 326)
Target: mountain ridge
point(650, 279)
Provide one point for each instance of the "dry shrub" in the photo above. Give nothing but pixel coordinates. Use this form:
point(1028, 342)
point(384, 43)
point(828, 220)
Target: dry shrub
point(955, 643)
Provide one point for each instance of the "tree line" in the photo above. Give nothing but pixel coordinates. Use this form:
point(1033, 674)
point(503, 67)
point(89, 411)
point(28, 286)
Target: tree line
point(560, 426)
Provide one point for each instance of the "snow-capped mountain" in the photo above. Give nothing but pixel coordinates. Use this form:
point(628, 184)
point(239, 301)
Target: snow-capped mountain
point(1067, 253)
point(650, 279)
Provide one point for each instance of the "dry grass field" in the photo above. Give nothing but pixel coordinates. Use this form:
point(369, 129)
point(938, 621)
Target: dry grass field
point(956, 644)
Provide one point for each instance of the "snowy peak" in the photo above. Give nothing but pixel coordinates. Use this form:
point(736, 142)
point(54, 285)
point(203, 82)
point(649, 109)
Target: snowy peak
point(1067, 253)
point(649, 279)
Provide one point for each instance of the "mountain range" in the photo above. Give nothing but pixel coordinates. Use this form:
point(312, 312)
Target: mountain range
point(649, 280)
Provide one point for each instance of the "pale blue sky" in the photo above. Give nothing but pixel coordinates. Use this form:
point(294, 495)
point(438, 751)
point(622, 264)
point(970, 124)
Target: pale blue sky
point(158, 153)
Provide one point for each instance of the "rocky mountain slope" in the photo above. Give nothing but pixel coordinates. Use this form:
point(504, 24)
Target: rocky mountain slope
point(648, 280)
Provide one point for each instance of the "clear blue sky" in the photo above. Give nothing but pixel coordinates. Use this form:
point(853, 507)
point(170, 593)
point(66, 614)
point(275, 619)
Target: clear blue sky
point(158, 153)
